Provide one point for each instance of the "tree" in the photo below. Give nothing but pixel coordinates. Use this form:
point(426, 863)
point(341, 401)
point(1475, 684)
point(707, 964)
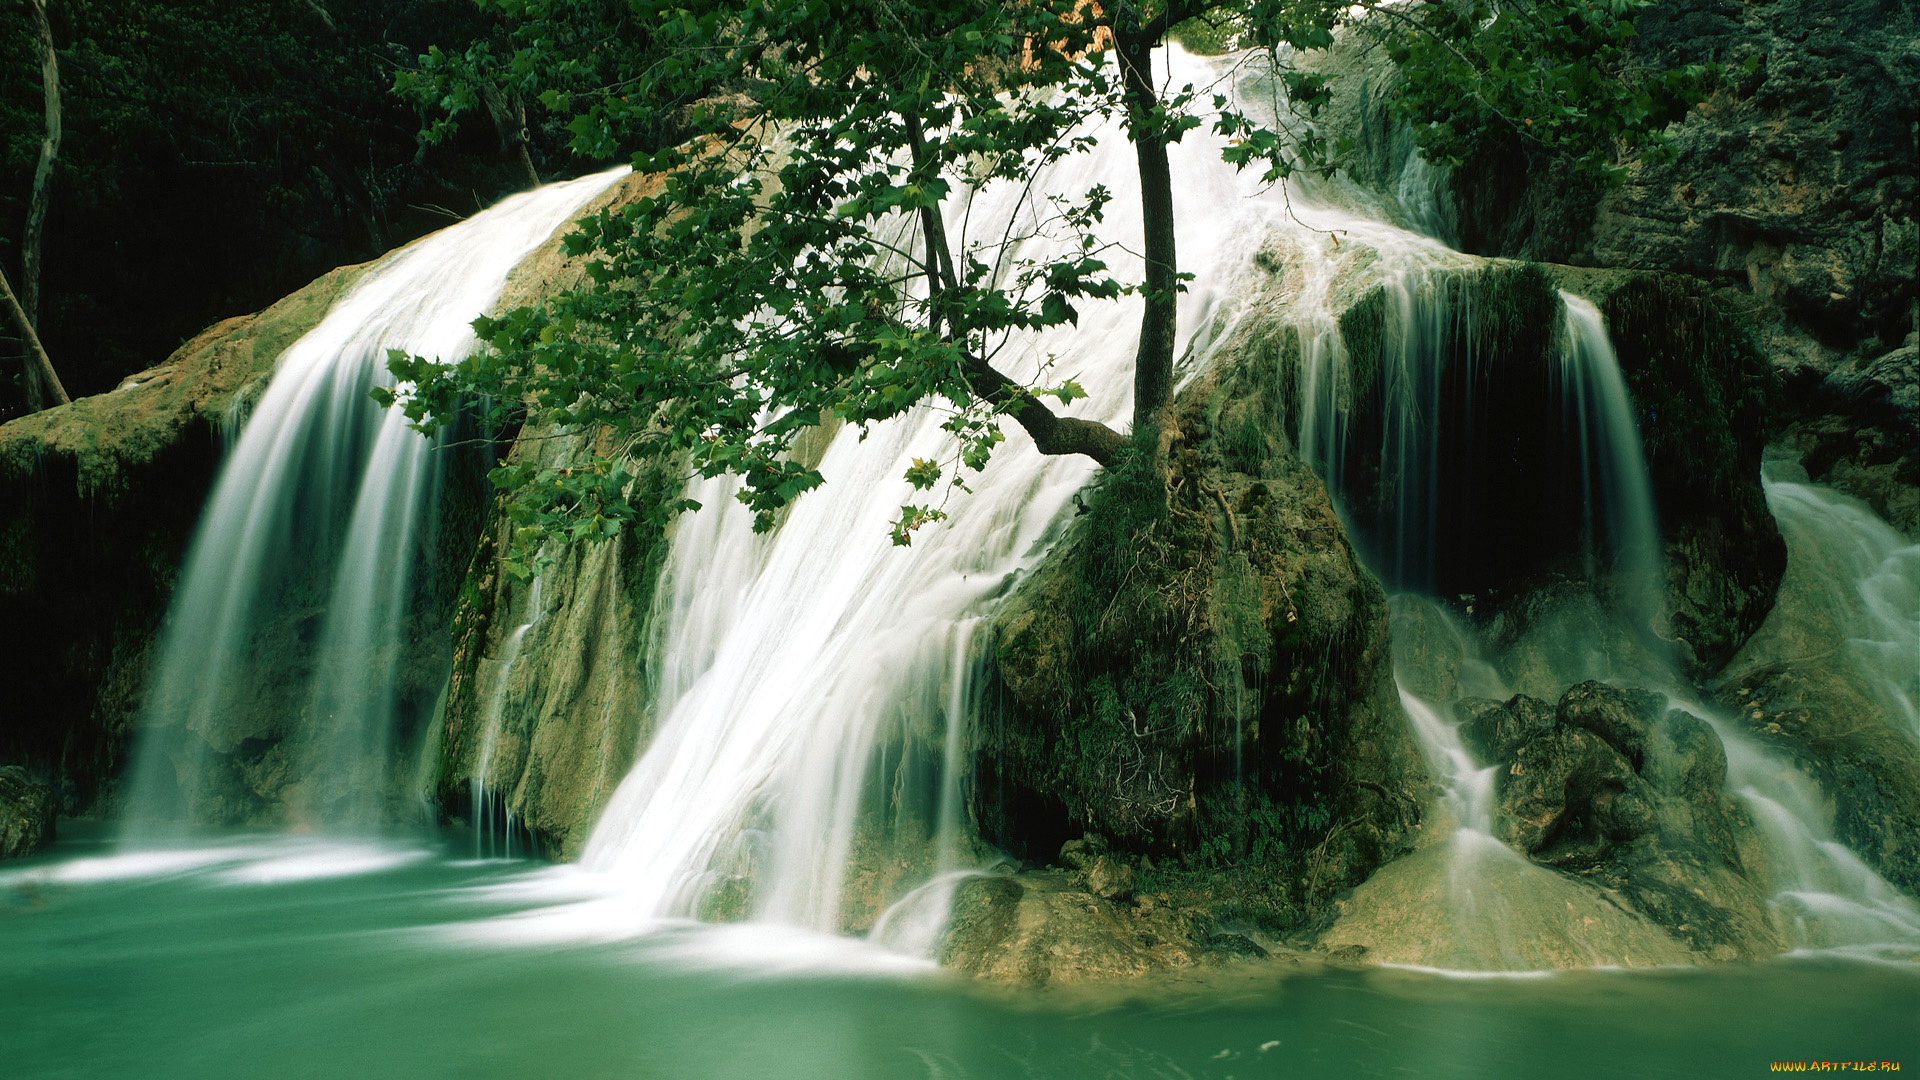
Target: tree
point(215, 155)
point(42, 384)
point(793, 262)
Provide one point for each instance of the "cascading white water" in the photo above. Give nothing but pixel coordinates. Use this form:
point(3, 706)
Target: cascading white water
point(1875, 597)
point(317, 522)
point(493, 715)
point(786, 663)
point(1616, 490)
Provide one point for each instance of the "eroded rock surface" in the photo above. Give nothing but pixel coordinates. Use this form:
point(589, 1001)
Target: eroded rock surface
point(1203, 678)
point(27, 812)
point(1624, 794)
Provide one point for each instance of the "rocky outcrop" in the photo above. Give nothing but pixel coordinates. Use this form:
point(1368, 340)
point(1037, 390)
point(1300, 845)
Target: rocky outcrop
point(1620, 792)
point(1045, 928)
point(1799, 179)
point(1856, 427)
point(549, 697)
point(98, 500)
point(1795, 184)
point(27, 812)
point(1505, 521)
point(1198, 673)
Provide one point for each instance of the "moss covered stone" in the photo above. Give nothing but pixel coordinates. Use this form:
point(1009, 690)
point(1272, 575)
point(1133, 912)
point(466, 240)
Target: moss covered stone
point(1199, 674)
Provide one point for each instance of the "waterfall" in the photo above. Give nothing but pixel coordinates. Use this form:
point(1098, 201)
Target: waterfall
point(275, 693)
point(1874, 599)
point(1616, 492)
point(811, 684)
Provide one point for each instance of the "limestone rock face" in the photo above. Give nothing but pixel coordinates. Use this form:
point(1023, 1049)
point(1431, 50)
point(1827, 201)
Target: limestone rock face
point(1798, 180)
point(549, 697)
point(1794, 184)
point(1858, 429)
point(1039, 928)
point(548, 700)
point(1614, 789)
point(27, 812)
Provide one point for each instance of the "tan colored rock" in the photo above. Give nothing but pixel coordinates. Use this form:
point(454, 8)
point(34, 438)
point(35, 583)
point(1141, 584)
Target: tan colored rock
point(1485, 908)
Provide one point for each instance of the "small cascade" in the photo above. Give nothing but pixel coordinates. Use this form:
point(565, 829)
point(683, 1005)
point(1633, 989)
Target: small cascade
point(1824, 896)
point(1615, 490)
point(286, 674)
point(1873, 602)
point(487, 833)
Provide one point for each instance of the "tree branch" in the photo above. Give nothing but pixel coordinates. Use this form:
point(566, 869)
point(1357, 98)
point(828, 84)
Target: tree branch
point(38, 362)
point(29, 302)
point(1051, 432)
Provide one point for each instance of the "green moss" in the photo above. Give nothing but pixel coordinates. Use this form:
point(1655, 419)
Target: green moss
point(111, 437)
point(1363, 329)
point(1516, 308)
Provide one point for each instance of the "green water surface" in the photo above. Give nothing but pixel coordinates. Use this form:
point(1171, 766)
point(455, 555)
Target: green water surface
point(294, 958)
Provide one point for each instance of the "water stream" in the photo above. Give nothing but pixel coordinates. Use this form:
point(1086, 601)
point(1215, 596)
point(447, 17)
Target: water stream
point(285, 641)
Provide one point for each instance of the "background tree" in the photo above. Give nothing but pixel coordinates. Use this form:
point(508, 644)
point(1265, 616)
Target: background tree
point(794, 263)
point(215, 155)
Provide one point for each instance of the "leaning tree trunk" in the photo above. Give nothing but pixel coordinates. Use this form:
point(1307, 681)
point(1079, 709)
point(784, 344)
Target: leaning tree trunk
point(42, 385)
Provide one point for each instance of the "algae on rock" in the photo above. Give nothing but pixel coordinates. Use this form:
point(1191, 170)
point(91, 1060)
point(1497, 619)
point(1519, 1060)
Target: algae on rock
point(1199, 674)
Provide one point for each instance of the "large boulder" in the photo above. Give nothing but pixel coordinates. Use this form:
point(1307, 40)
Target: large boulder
point(27, 812)
point(1612, 787)
point(1199, 672)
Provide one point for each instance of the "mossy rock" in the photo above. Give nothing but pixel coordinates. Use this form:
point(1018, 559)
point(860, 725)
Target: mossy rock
point(27, 812)
point(1199, 672)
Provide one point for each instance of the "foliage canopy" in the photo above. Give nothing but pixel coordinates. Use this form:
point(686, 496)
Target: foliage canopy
point(793, 260)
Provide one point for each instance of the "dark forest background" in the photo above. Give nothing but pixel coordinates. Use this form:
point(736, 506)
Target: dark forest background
point(219, 154)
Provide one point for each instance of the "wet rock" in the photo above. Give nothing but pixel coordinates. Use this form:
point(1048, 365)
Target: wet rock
point(1858, 430)
point(1199, 669)
point(27, 812)
point(1496, 731)
point(1624, 719)
point(1659, 831)
point(1485, 908)
point(1234, 947)
point(1569, 798)
point(1110, 879)
point(1038, 928)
